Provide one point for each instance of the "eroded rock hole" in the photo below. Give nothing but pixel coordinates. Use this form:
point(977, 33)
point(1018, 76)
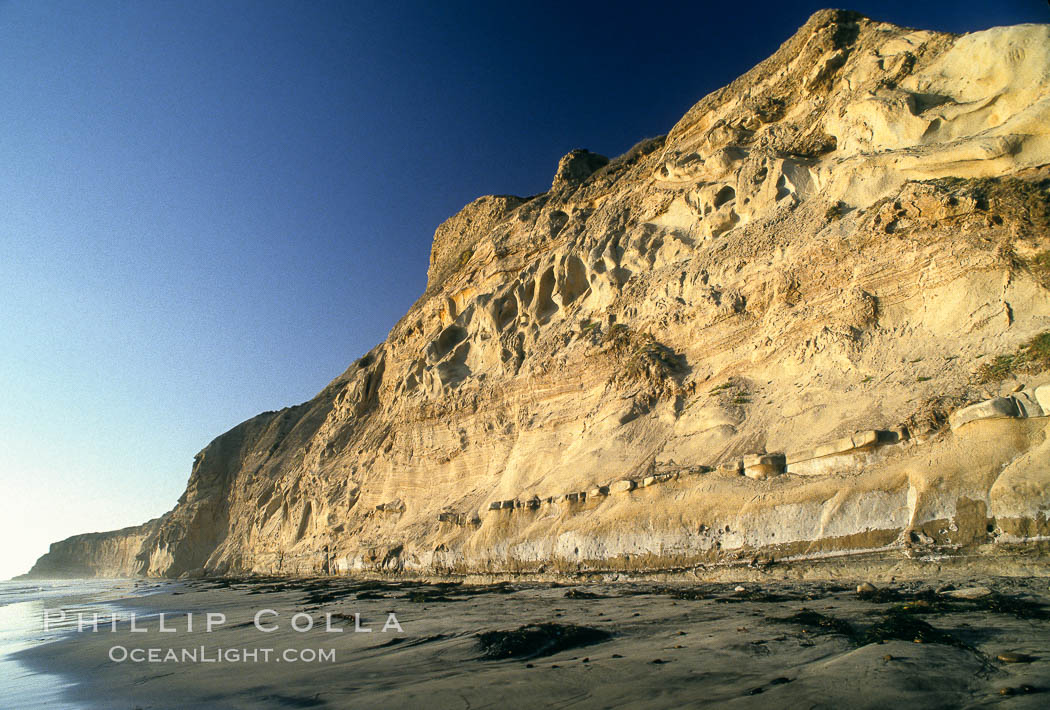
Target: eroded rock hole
point(575, 283)
point(545, 305)
point(449, 338)
point(508, 312)
point(724, 195)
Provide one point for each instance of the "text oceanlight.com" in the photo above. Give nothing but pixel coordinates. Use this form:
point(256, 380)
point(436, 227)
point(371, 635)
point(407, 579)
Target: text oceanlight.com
point(200, 654)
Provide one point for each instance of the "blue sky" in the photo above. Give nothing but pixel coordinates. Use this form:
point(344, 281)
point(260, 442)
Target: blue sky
point(209, 209)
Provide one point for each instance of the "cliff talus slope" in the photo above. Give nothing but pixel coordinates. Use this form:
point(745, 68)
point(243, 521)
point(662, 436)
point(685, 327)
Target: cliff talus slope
point(754, 338)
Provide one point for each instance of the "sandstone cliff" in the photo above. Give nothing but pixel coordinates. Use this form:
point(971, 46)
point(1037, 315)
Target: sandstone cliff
point(106, 554)
point(754, 338)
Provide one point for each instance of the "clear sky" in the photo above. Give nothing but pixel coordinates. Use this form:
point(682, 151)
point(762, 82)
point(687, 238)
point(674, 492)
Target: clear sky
point(209, 209)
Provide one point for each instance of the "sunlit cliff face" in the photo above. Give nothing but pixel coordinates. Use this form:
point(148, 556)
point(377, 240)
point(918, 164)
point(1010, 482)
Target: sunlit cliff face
point(738, 342)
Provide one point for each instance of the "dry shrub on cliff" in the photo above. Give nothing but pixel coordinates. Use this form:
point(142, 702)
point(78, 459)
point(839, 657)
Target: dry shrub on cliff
point(642, 357)
point(620, 164)
point(1032, 357)
point(1040, 266)
point(1027, 201)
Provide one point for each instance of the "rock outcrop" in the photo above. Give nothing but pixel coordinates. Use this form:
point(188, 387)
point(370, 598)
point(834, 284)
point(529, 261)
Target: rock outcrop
point(745, 339)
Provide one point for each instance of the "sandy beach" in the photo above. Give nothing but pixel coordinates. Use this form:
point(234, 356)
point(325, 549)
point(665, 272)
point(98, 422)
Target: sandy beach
point(970, 642)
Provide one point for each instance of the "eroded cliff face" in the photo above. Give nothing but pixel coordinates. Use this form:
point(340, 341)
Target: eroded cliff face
point(108, 554)
point(741, 341)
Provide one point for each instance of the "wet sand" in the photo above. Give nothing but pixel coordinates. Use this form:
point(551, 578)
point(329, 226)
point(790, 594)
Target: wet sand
point(625, 644)
point(22, 604)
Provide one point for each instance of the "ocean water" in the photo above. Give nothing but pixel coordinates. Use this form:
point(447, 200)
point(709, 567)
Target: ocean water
point(22, 607)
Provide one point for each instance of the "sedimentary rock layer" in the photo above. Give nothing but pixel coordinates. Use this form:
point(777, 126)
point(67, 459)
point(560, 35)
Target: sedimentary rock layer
point(742, 340)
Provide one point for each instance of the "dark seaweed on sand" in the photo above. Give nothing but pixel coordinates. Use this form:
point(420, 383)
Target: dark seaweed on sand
point(326, 593)
point(687, 593)
point(425, 597)
point(368, 594)
point(1017, 606)
point(723, 594)
point(318, 597)
point(538, 640)
point(927, 601)
point(893, 624)
point(820, 623)
point(761, 596)
point(577, 593)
